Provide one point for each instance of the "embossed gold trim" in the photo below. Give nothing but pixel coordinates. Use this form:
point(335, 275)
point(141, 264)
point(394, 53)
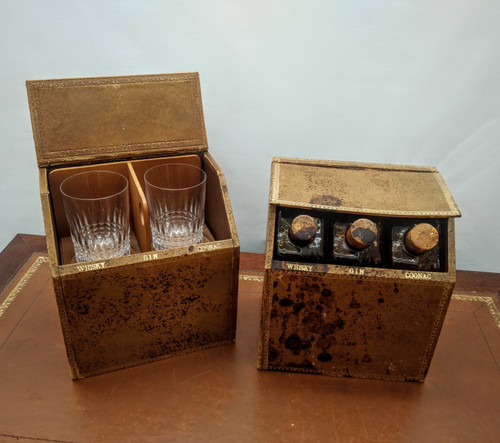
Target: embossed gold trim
point(247, 277)
point(22, 283)
point(484, 299)
point(452, 210)
point(275, 179)
point(51, 155)
point(388, 212)
point(447, 195)
point(337, 163)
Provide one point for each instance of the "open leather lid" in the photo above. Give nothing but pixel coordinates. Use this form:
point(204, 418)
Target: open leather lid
point(102, 118)
point(361, 188)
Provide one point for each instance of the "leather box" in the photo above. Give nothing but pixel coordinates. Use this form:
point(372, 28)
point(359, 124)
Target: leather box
point(331, 309)
point(147, 305)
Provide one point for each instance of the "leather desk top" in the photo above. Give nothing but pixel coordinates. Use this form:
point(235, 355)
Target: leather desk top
point(218, 395)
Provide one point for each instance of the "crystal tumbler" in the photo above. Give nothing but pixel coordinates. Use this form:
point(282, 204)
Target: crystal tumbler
point(97, 209)
point(176, 200)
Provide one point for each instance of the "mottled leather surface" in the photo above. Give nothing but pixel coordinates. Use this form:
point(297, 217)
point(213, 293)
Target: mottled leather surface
point(86, 119)
point(218, 395)
point(123, 316)
point(351, 326)
point(342, 314)
point(361, 188)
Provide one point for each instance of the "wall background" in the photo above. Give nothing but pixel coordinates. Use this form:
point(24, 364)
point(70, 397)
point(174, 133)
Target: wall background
point(393, 82)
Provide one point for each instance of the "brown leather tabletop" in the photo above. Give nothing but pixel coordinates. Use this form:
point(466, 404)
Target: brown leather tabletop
point(218, 395)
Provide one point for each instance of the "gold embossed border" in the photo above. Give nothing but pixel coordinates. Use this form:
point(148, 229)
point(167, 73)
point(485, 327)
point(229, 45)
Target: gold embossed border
point(22, 283)
point(275, 199)
point(251, 277)
point(367, 211)
point(47, 156)
point(492, 307)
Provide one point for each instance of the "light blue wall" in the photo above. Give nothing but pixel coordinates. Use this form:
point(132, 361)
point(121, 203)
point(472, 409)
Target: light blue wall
point(394, 82)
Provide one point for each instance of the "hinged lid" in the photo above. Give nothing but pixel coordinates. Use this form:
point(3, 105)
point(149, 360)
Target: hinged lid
point(89, 119)
point(361, 188)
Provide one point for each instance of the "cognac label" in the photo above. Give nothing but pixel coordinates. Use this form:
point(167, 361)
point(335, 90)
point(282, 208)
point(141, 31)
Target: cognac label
point(418, 275)
point(208, 247)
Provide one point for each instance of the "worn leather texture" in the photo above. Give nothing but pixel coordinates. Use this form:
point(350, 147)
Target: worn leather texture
point(327, 317)
point(89, 119)
point(351, 326)
point(361, 188)
point(147, 305)
point(132, 314)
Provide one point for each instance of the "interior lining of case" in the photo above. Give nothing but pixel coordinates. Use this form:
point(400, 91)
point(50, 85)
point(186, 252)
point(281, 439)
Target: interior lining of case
point(216, 225)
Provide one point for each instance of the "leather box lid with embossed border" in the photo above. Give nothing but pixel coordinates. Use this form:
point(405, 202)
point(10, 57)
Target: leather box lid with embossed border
point(361, 188)
point(102, 118)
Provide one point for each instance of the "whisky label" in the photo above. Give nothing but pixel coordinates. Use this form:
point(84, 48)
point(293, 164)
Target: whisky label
point(299, 267)
point(91, 266)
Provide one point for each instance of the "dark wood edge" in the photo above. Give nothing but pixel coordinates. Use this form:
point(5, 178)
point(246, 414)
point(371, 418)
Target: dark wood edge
point(15, 254)
point(478, 281)
point(251, 262)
